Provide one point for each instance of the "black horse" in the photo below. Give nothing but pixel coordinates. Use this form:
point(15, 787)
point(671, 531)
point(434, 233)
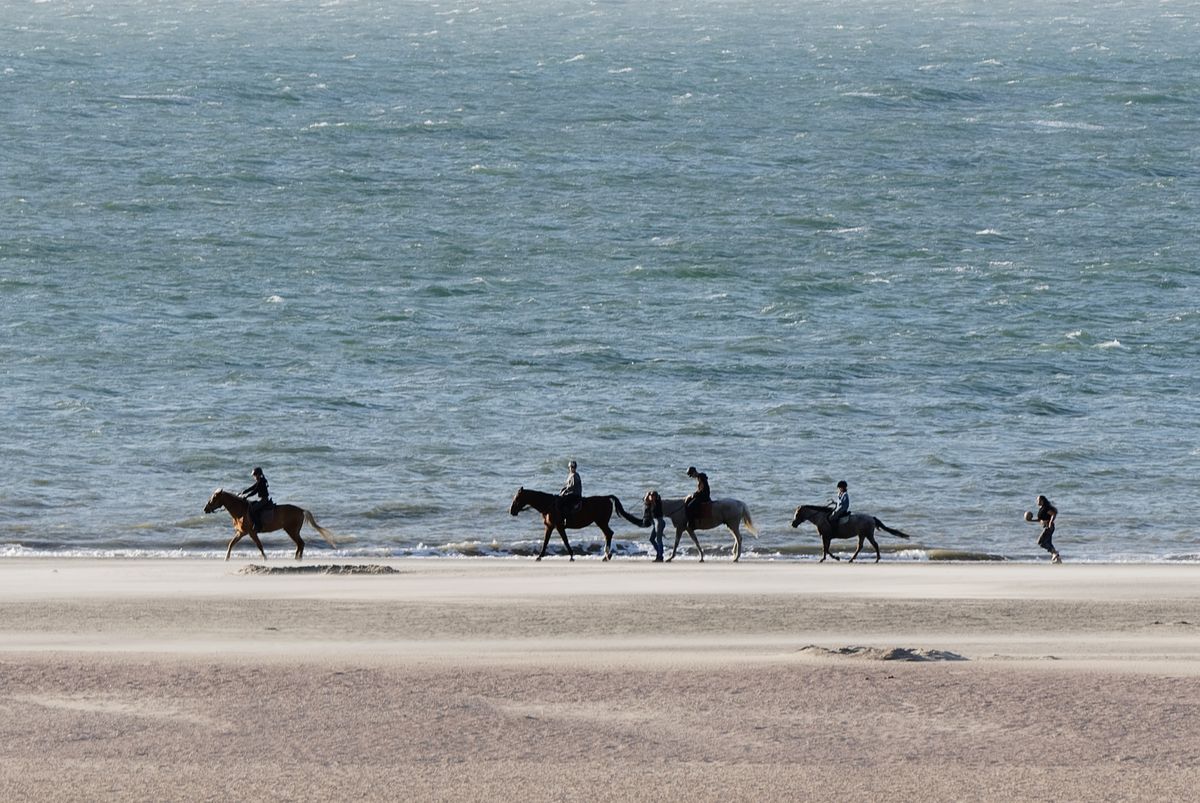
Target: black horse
point(856, 525)
point(592, 510)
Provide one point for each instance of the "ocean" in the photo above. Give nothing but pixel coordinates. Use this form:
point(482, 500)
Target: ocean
point(411, 256)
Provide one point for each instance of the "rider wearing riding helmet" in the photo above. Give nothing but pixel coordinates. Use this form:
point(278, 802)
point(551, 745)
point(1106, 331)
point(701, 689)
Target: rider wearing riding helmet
point(259, 489)
point(839, 507)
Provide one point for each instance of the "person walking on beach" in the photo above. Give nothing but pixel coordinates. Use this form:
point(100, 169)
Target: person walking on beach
point(658, 526)
point(839, 507)
point(571, 493)
point(259, 489)
point(700, 497)
point(1047, 513)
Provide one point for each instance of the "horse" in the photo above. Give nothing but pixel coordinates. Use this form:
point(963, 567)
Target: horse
point(280, 517)
point(730, 512)
point(856, 525)
point(592, 510)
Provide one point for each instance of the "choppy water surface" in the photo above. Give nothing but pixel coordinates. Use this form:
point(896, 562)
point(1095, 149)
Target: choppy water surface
point(410, 256)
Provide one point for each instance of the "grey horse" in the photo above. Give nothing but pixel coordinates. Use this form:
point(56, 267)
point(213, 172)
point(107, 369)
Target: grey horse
point(857, 525)
point(730, 512)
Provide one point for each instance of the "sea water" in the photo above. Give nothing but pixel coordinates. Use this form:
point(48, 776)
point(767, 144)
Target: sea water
point(410, 256)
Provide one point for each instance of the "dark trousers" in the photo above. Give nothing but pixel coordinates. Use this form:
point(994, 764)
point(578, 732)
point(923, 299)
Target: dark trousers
point(693, 508)
point(1046, 542)
point(568, 505)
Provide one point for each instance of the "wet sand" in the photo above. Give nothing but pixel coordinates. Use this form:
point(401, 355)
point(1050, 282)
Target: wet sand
point(484, 680)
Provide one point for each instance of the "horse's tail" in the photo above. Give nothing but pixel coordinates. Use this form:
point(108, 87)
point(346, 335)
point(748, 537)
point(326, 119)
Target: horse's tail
point(749, 522)
point(328, 536)
point(888, 529)
point(617, 504)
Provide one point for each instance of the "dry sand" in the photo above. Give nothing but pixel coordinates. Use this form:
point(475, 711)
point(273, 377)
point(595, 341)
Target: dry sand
point(510, 680)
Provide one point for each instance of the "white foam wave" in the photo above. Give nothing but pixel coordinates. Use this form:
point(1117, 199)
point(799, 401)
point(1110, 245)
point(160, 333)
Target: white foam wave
point(1064, 124)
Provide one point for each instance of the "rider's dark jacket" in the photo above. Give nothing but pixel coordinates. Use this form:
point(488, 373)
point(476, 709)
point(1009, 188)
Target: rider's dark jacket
point(258, 489)
point(702, 494)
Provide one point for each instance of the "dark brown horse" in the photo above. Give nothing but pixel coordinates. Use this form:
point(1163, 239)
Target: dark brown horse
point(592, 510)
point(280, 517)
point(856, 525)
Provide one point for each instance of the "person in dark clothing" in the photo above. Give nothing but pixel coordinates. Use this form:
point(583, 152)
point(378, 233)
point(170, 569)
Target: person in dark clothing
point(658, 526)
point(700, 497)
point(571, 493)
point(1046, 516)
point(259, 489)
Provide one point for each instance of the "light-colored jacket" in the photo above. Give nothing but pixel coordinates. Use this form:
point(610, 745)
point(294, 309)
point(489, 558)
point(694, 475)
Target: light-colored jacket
point(841, 507)
point(574, 486)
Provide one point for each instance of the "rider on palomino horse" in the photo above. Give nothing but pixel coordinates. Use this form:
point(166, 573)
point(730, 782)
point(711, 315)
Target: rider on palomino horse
point(264, 502)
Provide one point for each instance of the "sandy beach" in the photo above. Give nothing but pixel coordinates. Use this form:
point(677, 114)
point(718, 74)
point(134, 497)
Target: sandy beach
point(486, 680)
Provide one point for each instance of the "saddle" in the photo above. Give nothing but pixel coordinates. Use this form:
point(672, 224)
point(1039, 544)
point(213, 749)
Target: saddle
point(258, 511)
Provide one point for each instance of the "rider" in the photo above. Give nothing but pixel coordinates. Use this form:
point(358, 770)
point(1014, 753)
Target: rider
point(259, 489)
point(701, 496)
point(839, 508)
point(571, 495)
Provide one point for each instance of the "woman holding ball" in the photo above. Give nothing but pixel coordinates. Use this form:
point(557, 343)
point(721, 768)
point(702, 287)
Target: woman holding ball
point(1046, 514)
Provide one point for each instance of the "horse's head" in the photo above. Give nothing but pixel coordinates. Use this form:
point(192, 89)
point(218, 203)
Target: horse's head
point(214, 501)
point(806, 513)
point(518, 502)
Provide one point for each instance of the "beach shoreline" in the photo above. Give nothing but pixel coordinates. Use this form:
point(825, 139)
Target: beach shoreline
point(478, 679)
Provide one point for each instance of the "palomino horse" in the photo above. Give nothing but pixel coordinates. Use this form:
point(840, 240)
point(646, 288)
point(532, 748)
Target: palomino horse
point(730, 512)
point(856, 525)
point(592, 510)
point(280, 517)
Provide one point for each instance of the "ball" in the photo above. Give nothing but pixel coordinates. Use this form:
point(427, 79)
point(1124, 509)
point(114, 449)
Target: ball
point(1028, 515)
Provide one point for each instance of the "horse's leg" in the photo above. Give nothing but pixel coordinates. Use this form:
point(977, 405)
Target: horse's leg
point(861, 538)
point(608, 534)
point(299, 541)
point(546, 540)
point(236, 537)
point(696, 541)
point(562, 531)
point(737, 541)
point(257, 543)
point(675, 549)
point(293, 528)
point(871, 538)
point(825, 539)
